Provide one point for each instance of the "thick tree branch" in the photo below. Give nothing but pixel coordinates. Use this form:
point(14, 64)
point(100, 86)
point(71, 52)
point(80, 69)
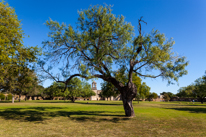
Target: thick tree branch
point(149, 75)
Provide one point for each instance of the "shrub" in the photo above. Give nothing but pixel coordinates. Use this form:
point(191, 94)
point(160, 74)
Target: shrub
point(2, 96)
point(9, 97)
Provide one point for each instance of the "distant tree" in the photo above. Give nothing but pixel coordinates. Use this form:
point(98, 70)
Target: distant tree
point(102, 40)
point(74, 88)
point(9, 96)
point(168, 93)
point(54, 90)
point(108, 90)
point(200, 88)
point(140, 96)
point(144, 91)
point(166, 97)
point(87, 90)
point(155, 96)
point(39, 91)
point(186, 92)
point(151, 96)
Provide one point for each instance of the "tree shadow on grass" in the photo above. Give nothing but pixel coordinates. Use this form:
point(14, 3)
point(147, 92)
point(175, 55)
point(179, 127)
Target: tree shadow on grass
point(7, 101)
point(38, 114)
point(105, 104)
point(191, 110)
point(182, 105)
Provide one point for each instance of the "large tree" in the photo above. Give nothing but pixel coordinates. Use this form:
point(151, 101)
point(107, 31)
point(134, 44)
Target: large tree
point(13, 54)
point(103, 43)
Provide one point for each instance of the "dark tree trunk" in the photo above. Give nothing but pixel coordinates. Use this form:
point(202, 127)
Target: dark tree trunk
point(25, 97)
point(201, 99)
point(129, 93)
point(73, 99)
point(19, 97)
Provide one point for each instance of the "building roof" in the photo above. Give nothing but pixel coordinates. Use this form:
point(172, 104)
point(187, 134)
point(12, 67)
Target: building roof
point(94, 82)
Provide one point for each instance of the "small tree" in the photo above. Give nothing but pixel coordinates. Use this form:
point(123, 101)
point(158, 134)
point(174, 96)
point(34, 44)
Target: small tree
point(108, 90)
point(144, 91)
point(168, 93)
point(86, 90)
point(155, 96)
point(74, 88)
point(151, 96)
point(166, 97)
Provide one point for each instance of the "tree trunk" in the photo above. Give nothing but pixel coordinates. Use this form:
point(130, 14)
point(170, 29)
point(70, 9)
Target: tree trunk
point(19, 97)
point(128, 107)
point(73, 99)
point(130, 92)
point(25, 97)
point(201, 99)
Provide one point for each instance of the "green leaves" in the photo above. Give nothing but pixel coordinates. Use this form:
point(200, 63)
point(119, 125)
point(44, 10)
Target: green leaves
point(157, 54)
point(97, 42)
point(14, 56)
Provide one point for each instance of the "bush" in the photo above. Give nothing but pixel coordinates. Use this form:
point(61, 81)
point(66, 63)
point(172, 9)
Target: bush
point(9, 97)
point(2, 96)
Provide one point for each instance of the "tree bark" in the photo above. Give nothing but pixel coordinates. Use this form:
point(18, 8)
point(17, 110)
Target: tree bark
point(25, 97)
point(73, 99)
point(129, 93)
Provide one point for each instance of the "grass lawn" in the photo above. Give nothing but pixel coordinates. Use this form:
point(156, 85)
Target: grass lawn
point(101, 118)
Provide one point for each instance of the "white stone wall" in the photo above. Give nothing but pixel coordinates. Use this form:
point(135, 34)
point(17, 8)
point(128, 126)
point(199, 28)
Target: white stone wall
point(94, 97)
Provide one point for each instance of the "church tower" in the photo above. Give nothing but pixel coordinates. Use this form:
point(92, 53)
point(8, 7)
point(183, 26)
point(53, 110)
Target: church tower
point(94, 85)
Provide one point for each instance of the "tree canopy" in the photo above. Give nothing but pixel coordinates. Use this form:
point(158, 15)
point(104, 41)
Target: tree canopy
point(195, 90)
point(200, 88)
point(14, 56)
point(101, 41)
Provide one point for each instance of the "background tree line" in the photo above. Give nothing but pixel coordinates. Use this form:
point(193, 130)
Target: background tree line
point(195, 90)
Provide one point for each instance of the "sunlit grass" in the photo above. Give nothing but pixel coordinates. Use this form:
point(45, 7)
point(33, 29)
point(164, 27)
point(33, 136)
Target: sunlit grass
point(101, 118)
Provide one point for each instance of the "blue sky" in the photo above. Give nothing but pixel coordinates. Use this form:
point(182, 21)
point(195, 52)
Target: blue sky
point(184, 20)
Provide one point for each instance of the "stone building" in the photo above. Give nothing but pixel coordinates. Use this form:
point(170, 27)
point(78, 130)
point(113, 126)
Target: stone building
point(97, 92)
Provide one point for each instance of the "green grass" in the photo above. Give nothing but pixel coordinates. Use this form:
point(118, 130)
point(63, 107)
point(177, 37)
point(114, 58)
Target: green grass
point(101, 118)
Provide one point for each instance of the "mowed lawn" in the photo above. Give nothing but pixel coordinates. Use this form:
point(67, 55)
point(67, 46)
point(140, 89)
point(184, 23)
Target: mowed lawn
point(101, 118)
